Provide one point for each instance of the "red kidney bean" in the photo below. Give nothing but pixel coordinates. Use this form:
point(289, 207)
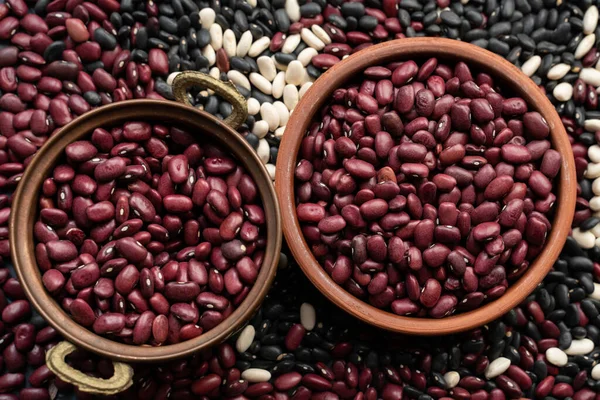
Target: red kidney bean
point(53, 280)
point(449, 176)
point(109, 323)
point(85, 276)
point(127, 279)
point(143, 328)
point(82, 312)
point(540, 184)
point(11, 381)
point(551, 162)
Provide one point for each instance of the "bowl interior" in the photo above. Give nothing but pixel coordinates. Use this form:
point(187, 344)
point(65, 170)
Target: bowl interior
point(512, 82)
point(25, 213)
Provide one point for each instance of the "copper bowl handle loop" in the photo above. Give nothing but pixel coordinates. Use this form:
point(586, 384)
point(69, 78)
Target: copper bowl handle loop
point(188, 79)
point(121, 380)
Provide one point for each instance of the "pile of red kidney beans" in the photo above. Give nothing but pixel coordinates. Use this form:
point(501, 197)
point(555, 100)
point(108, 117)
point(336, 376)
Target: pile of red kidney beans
point(61, 58)
point(445, 165)
point(148, 236)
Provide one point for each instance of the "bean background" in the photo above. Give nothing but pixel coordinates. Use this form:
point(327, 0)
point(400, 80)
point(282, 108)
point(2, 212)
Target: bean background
point(299, 345)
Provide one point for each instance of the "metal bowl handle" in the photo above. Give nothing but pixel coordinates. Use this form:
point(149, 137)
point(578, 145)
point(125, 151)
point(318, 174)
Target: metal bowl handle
point(188, 79)
point(121, 380)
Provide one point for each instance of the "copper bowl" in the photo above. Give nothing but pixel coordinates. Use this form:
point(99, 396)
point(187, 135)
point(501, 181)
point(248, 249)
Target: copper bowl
point(422, 48)
point(25, 211)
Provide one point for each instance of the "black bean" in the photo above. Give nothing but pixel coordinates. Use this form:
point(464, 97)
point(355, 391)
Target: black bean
point(586, 226)
point(304, 368)
point(320, 355)
point(430, 18)
point(262, 364)
point(139, 55)
point(93, 98)
point(167, 38)
point(177, 7)
point(475, 17)
point(501, 28)
point(54, 51)
point(584, 361)
point(351, 23)
point(433, 30)
point(270, 339)
point(587, 138)
point(221, 20)
point(266, 17)
point(571, 282)
point(115, 19)
point(517, 27)
point(594, 253)
point(285, 58)
point(582, 263)
point(404, 18)
point(246, 356)
point(338, 21)
point(563, 379)
point(411, 392)
point(577, 294)
point(512, 354)
point(556, 315)
point(541, 34)
point(450, 18)
point(128, 19)
point(578, 332)
point(545, 47)
point(593, 332)
point(164, 89)
point(574, 42)
point(106, 40)
point(190, 6)
point(564, 340)
point(496, 349)
point(367, 23)
point(310, 10)
point(353, 9)
point(516, 339)
point(283, 367)
point(284, 326)
point(201, 61)
point(498, 46)
point(282, 21)
point(514, 55)
point(523, 6)
point(40, 7)
point(254, 347)
point(242, 365)
point(244, 92)
point(552, 21)
point(239, 64)
point(140, 16)
point(540, 369)
point(301, 46)
point(532, 331)
point(271, 353)
point(572, 316)
point(508, 8)
point(472, 346)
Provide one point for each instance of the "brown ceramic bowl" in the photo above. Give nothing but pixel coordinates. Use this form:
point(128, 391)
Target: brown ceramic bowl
point(25, 213)
point(421, 49)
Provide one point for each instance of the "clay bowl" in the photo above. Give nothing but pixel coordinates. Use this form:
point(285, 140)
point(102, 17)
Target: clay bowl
point(25, 211)
point(421, 49)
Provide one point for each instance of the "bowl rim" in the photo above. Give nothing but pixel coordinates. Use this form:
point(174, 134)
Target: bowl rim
point(25, 210)
point(415, 48)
